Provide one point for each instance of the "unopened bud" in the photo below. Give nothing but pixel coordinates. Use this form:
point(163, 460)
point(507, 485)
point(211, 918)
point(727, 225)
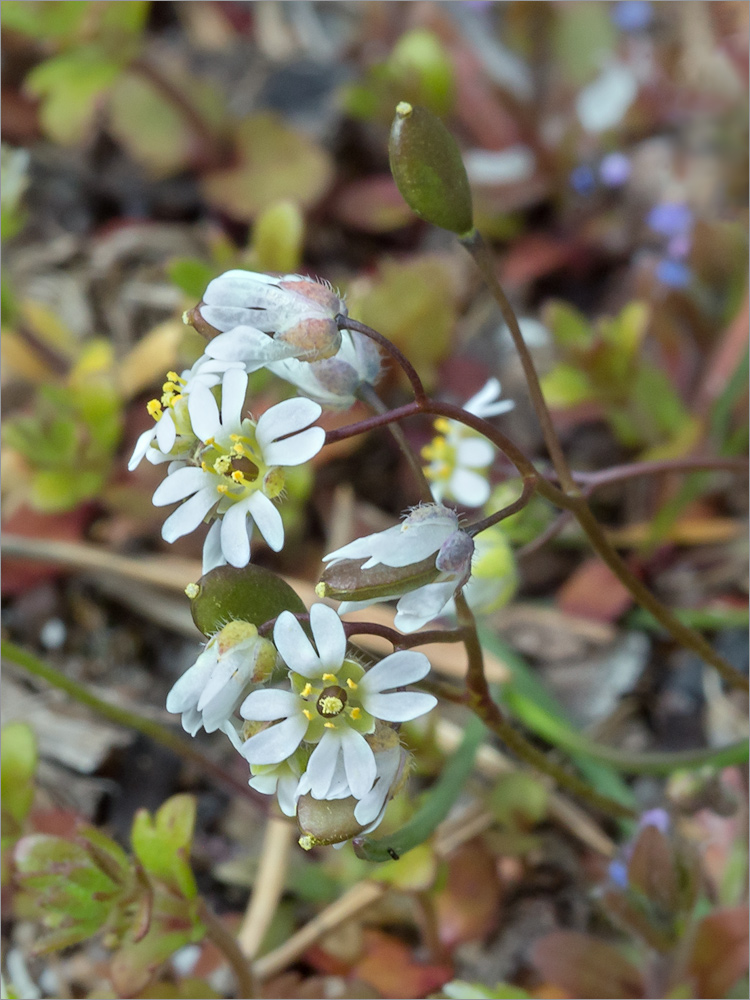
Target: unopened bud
point(428, 170)
point(326, 821)
point(314, 339)
point(192, 317)
point(455, 554)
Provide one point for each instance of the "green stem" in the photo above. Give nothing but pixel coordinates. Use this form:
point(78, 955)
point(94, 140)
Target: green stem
point(228, 946)
point(436, 805)
point(154, 730)
point(479, 250)
point(560, 735)
point(483, 705)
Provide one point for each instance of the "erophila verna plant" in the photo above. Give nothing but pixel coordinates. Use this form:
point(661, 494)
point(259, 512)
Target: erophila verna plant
point(316, 722)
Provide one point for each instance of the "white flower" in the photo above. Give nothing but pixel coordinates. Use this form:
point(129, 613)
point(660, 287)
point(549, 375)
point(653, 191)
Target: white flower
point(459, 456)
point(280, 779)
point(332, 703)
point(208, 692)
point(236, 469)
point(334, 381)
point(429, 529)
point(170, 413)
point(264, 318)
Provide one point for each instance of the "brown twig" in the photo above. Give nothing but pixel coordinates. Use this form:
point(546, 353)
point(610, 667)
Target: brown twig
point(227, 945)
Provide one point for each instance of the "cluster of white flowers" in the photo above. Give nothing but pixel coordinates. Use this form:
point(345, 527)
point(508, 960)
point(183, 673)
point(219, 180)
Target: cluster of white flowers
point(328, 730)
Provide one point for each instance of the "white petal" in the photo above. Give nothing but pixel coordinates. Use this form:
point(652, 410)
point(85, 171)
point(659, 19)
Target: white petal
point(396, 670)
point(348, 606)
point(477, 453)
point(180, 484)
point(286, 793)
point(329, 636)
point(370, 806)
point(359, 761)
point(273, 745)
point(285, 418)
point(294, 646)
point(268, 519)
point(212, 554)
point(187, 517)
point(235, 545)
point(245, 343)
point(228, 318)
point(269, 705)
point(236, 287)
point(187, 689)
point(363, 547)
point(265, 783)
point(322, 763)
point(233, 389)
point(422, 605)
point(297, 449)
point(401, 706)
point(469, 488)
point(204, 413)
point(487, 395)
point(166, 433)
point(191, 720)
point(141, 447)
point(231, 730)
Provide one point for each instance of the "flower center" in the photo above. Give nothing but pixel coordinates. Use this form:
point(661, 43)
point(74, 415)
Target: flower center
point(331, 701)
point(239, 466)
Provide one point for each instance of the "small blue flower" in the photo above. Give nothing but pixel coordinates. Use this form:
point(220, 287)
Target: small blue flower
point(632, 15)
point(670, 218)
point(614, 170)
point(582, 179)
point(655, 817)
point(618, 873)
point(673, 273)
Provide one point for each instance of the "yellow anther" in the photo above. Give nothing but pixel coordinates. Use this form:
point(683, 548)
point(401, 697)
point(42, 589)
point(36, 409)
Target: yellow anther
point(223, 464)
point(204, 466)
point(176, 398)
point(174, 377)
point(443, 424)
point(222, 488)
point(154, 408)
point(238, 477)
point(238, 449)
point(330, 678)
point(306, 690)
point(351, 684)
point(234, 437)
point(170, 387)
point(356, 713)
point(328, 725)
point(307, 714)
point(210, 441)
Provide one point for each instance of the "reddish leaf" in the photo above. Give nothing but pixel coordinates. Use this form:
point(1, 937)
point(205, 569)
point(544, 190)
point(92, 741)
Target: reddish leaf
point(593, 591)
point(388, 965)
point(652, 868)
point(719, 955)
point(469, 905)
point(586, 968)
point(373, 205)
point(20, 575)
point(536, 255)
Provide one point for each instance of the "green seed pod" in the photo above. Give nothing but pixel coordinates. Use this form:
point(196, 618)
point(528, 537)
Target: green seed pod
point(326, 821)
point(251, 594)
point(427, 167)
point(345, 580)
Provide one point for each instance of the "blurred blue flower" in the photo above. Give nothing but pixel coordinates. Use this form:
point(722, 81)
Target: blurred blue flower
point(655, 817)
point(632, 15)
point(679, 246)
point(618, 873)
point(673, 273)
point(582, 179)
point(670, 218)
point(614, 169)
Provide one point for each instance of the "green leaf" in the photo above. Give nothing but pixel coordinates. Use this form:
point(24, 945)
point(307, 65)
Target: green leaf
point(45, 19)
point(191, 275)
point(655, 397)
point(583, 38)
point(276, 162)
point(625, 332)
point(252, 594)
point(427, 167)
point(565, 385)
point(569, 327)
point(278, 237)
point(54, 490)
point(71, 86)
point(18, 764)
point(458, 989)
point(519, 800)
point(162, 843)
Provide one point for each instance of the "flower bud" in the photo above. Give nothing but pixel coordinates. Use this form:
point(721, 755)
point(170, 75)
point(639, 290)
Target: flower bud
point(326, 821)
point(427, 167)
point(346, 580)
